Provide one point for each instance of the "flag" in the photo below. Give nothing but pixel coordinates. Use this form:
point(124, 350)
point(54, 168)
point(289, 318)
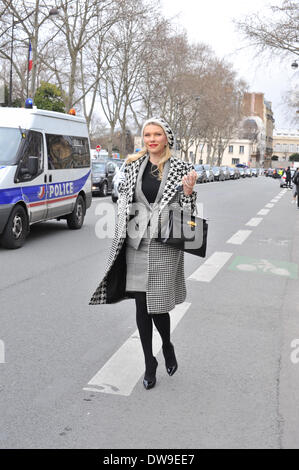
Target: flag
point(30, 57)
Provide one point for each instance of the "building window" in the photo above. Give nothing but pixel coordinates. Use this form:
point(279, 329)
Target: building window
point(231, 149)
point(241, 150)
point(235, 161)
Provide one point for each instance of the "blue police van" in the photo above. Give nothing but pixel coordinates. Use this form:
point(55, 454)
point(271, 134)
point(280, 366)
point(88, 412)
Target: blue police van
point(45, 171)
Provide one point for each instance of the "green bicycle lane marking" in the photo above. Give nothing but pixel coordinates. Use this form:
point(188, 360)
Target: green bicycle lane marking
point(265, 267)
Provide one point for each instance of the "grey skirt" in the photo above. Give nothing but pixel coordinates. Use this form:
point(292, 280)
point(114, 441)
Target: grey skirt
point(137, 264)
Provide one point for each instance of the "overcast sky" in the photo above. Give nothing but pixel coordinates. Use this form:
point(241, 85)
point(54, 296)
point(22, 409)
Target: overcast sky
point(210, 21)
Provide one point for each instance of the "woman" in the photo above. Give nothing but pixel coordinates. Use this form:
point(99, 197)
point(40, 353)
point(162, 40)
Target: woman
point(139, 266)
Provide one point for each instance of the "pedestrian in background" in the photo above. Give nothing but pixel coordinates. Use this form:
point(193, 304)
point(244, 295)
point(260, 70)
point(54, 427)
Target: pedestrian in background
point(288, 178)
point(296, 183)
point(139, 266)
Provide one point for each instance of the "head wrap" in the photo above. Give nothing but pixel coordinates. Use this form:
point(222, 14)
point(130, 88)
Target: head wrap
point(167, 129)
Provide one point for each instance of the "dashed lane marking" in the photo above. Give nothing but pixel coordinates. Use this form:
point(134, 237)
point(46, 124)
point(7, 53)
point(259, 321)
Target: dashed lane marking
point(263, 212)
point(254, 222)
point(123, 370)
point(269, 206)
point(210, 268)
point(239, 237)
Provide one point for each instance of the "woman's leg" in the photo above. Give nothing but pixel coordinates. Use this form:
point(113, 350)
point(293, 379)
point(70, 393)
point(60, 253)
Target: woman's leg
point(145, 327)
point(162, 323)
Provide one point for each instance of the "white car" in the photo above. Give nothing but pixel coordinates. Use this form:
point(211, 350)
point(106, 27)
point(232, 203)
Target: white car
point(118, 177)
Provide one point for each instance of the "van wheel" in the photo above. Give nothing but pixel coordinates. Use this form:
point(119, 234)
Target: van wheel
point(76, 218)
point(16, 229)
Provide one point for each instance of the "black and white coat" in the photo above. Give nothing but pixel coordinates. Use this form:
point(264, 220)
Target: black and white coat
point(166, 280)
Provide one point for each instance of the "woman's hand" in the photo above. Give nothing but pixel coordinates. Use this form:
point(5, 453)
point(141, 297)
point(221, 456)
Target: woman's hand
point(188, 182)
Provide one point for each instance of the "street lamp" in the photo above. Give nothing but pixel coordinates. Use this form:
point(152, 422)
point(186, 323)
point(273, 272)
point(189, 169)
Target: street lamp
point(294, 64)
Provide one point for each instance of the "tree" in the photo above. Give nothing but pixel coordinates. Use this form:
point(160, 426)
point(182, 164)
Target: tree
point(16, 103)
point(294, 157)
point(48, 96)
point(276, 33)
point(60, 49)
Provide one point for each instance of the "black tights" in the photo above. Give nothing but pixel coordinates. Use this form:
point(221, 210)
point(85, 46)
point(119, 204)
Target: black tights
point(145, 326)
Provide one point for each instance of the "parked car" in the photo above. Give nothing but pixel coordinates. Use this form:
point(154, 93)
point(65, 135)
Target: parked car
point(277, 173)
point(226, 172)
point(248, 172)
point(209, 173)
point(233, 172)
point(241, 172)
point(118, 162)
point(268, 172)
point(218, 173)
point(254, 172)
point(116, 180)
point(201, 173)
point(102, 174)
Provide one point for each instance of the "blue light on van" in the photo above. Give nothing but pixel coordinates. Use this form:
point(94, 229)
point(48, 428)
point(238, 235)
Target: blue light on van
point(29, 103)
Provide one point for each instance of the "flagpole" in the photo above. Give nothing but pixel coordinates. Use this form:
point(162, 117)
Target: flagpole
point(27, 90)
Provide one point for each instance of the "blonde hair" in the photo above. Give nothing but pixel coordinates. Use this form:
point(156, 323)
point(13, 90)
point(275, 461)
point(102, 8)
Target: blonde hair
point(164, 157)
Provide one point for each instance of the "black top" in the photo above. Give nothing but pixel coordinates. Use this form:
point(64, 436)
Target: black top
point(150, 182)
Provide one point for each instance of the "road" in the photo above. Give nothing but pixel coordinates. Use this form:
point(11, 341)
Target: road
point(71, 374)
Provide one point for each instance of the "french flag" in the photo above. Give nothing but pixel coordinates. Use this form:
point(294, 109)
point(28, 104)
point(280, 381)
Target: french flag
point(30, 57)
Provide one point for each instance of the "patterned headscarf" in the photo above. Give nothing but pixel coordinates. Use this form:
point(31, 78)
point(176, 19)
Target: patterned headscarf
point(165, 127)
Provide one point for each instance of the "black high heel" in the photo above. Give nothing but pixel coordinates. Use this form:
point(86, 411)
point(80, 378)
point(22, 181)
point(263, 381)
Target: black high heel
point(170, 360)
point(149, 380)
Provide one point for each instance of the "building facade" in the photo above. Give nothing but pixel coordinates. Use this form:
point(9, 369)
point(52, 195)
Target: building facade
point(255, 105)
point(286, 143)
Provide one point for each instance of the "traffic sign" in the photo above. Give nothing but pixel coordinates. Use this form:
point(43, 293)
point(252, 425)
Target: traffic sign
point(98, 148)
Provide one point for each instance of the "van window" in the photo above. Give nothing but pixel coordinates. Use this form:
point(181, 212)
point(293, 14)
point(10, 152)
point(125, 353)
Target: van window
point(67, 152)
point(9, 143)
point(32, 147)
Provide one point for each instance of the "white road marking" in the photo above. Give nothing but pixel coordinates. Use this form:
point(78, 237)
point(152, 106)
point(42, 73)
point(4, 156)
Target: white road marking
point(254, 222)
point(239, 237)
point(123, 370)
point(263, 212)
point(269, 205)
point(274, 200)
point(210, 268)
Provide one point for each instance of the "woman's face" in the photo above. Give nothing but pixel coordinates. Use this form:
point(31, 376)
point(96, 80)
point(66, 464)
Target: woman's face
point(154, 139)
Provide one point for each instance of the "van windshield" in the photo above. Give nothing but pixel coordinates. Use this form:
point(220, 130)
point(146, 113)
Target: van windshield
point(9, 143)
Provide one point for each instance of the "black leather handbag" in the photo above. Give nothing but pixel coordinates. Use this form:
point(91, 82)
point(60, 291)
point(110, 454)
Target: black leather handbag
point(186, 232)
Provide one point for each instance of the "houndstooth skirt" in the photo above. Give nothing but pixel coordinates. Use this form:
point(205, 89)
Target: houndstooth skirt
point(137, 267)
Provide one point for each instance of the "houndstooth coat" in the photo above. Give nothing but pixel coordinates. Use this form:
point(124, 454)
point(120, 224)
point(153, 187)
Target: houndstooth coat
point(166, 280)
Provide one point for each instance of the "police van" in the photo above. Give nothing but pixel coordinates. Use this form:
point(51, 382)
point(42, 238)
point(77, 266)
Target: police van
point(45, 171)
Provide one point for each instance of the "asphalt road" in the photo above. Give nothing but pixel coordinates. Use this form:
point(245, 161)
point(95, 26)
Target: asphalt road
point(238, 378)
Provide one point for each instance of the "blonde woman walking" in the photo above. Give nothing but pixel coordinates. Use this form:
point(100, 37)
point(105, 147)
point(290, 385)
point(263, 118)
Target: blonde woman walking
point(139, 266)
